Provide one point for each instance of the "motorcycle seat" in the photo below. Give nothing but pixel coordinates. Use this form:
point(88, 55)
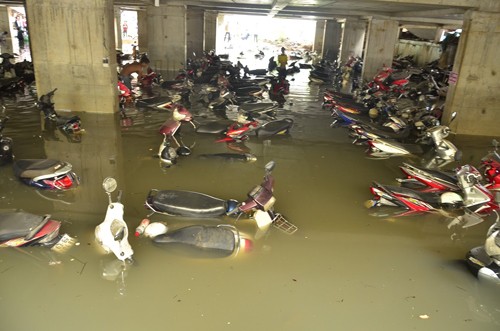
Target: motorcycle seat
point(20, 225)
point(215, 127)
point(275, 127)
point(40, 168)
point(186, 204)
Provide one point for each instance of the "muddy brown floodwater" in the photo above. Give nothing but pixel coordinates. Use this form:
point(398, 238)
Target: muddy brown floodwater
point(346, 268)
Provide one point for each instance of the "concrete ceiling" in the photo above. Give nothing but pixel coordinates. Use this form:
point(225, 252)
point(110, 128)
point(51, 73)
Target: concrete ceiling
point(420, 12)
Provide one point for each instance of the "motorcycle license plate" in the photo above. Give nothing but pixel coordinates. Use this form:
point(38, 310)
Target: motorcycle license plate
point(65, 243)
point(281, 223)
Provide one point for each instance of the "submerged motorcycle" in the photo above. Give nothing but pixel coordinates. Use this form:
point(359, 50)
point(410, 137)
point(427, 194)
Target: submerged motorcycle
point(69, 125)
point(112, 233)
point(167, 153)
point(258, 206)
point(48, 174)
point(246, 126)
point(21, 229)
point(473, 196)
point(6, 154)
point(484, 261)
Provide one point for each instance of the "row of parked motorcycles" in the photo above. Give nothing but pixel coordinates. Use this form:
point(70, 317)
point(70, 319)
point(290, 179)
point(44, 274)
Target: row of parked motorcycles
point(399, 114)
point(24, 229)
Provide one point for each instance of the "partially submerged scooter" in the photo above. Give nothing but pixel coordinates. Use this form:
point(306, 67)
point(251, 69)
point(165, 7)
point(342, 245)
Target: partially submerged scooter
point(484, 261)
point(112, 233)
point(46, 174)
point(167, 153)
point(20, 229)
point(258, 206)
point(69, 125)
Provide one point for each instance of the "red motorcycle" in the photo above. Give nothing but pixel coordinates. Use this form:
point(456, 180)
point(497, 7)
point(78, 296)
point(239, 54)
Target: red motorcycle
point(280, 87)
point(491, 165)
point(387, 80)
point(247, 125)
point(167, 153)
point(473, 196)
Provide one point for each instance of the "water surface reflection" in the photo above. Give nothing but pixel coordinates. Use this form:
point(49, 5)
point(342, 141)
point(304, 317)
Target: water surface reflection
point(344, 268)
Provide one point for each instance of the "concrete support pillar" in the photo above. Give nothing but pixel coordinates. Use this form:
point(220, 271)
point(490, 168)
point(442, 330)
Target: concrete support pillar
point(474, 87)
point(75, 52)
point(167, 37)
point(194, 31)
point(319, 38)
point(380, 44)
point(142, 30)
point(210, 29)
point(353, 39)
point(333, 35)
point(5, 26)
point(118, 27)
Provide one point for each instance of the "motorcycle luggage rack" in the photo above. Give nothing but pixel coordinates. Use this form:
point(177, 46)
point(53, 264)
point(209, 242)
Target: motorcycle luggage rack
point(281, 223)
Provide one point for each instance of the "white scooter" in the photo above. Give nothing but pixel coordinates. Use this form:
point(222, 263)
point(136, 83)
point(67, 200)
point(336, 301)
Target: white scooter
point(112, 233)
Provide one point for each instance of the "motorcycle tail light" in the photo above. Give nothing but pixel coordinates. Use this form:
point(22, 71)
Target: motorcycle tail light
point(61, 183)
point(246, 245)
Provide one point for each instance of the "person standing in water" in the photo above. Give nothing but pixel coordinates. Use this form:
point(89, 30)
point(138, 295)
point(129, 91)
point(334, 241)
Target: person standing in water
point(282, 62)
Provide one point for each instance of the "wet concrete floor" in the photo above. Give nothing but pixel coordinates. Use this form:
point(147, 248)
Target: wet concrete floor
point(344, 269)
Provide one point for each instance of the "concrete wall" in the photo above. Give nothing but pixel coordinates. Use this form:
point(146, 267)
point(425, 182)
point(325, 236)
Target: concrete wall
point(423, 52)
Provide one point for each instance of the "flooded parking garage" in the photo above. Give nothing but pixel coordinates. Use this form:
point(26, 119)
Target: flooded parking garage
point(347, 267)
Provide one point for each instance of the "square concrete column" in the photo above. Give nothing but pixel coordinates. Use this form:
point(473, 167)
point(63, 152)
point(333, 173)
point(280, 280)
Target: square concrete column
point(142, 30)
point(380, 44)
point(319, 37)
point(118, 27)
point(73, 49)
point(167, 37)
point(333, 35)
point(5, 26)
point(353, 38)
point(194, 31)
point(474, 84)
point(210, 30)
